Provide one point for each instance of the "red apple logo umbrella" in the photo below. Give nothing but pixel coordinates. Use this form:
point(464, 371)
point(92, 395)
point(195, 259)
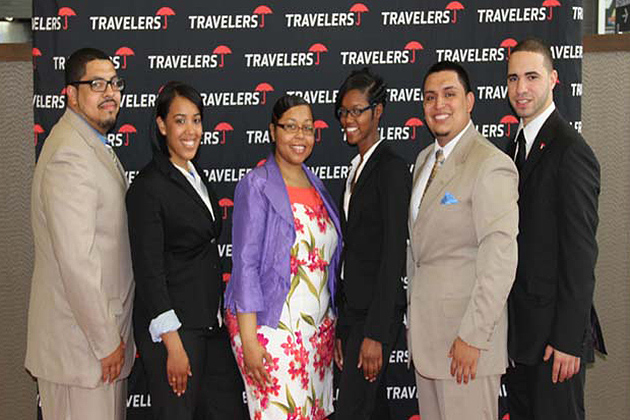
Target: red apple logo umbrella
point(225, 203)
point(222, 50)
point(37, 129)
point(261, 162)
point(264, 88)
point(63, 91)
point(359, 8)
point(506, 416)
point(415, 417)
point(509, 43)
point(124, 52)
point(454, 6)
point(318, 125)
point(166, 12)
point(223, 127)
point(262, 10)
point(550, 4)
point(36, 53)
point(414, 46)
point(65, 12)
point(318, 48)
point(509, 120)
point(226, 277)
point(413, 123)
point(126, 130)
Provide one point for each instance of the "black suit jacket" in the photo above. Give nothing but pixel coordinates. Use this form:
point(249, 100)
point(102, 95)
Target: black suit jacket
point(375, 236)
point(551, 300)
point(173, 248)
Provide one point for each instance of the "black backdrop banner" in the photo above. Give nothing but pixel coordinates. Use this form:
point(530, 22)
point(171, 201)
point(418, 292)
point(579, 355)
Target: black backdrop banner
point(242, 55)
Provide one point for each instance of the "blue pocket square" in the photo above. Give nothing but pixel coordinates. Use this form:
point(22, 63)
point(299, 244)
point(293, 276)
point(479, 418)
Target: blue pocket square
point(449, 199)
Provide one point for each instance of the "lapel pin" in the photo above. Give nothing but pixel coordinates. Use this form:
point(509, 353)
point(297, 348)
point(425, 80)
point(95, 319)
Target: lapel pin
point(542, 146)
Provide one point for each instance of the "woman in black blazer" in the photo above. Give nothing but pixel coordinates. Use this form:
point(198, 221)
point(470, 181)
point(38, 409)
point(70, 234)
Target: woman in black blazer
point(374, 225)
point(174, 223)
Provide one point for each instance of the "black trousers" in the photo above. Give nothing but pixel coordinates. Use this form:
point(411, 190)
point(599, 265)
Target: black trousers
point(215, 389)
point(532, 396)
point(359, 398)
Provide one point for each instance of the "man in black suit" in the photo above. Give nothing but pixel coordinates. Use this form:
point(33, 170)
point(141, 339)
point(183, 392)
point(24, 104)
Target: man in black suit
point(550, 305)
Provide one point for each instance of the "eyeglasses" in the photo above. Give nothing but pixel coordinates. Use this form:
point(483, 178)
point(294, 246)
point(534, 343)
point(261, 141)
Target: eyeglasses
point(293, 128)
point(355, 112)
point(100, 85)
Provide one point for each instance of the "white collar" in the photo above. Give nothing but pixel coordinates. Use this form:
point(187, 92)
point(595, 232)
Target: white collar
point(533, 127)
point(355, 161)
point(451, 144)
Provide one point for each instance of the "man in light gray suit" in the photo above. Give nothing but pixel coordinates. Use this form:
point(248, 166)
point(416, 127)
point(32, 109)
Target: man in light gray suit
point(80, 345)
point(463, 222)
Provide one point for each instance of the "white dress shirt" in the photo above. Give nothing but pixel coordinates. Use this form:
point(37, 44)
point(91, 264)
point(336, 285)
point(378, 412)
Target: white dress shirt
point(168, 321)
point(532, 129)
point(355, 168)
point(419, 187)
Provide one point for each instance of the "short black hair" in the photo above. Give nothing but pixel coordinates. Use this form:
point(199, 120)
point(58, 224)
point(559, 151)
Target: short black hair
point(169, 92)
point(284, 103)
point(366, 82)
point(446, 65)
point(75, 65)
point(536, 45)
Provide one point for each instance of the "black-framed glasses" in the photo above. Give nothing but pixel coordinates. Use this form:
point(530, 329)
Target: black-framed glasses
point(293, 128)
point(355, 112)
point(100, 85)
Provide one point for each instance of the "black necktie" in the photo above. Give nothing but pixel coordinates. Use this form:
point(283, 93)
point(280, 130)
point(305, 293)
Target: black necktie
point(519, 159)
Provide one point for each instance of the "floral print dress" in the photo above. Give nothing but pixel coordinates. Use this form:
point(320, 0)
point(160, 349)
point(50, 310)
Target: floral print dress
point(302, 345)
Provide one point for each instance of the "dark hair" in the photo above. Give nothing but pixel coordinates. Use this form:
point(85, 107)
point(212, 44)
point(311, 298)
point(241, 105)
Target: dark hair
point(75, 65)
point(446, 65)
point(163, 104)
point(536, 45)
point(283, 104)
point(366, 82)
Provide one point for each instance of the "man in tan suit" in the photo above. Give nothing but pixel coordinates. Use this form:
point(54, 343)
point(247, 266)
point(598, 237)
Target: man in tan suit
point(463, 222)
point(80, 343)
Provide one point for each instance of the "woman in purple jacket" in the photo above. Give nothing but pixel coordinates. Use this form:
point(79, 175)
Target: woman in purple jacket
point(286, 244)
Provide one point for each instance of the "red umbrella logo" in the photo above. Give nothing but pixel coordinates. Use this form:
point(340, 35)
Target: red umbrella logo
point(261, 162)
point(166, 12)
point(126, 130)
point(509, 43)
point(36, 53)
point(506, 416)
point(359, 8)
point(37, 129)
point(550, 4)
point(223, 127)
point(454, 6)
point(226, 277)
point(508, 120)
point(318, 48)
point(318, 125)
point(124, 52)
point(413, 123)
point(264, 88)
point(225, 203)
point(222, 50)
point(65, 12)
point(415, 417)
point(262, 10)
point(413, 46)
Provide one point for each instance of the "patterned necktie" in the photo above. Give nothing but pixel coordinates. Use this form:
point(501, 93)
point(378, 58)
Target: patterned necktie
point(439, 160)
point(520, 157)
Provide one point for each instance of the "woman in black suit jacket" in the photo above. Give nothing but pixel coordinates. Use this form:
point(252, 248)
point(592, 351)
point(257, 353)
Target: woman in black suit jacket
point(174, 223)
point(374, 225)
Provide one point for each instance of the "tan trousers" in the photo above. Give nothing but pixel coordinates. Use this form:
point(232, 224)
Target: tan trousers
point(445, 399)
point(64, 402)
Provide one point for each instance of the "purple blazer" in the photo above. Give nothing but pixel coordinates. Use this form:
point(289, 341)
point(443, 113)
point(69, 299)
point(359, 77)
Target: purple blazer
point(263, 233)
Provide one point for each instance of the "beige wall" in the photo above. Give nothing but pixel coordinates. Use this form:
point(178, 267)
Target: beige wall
point(606, 122)
point(17, 389)
point(606, 126)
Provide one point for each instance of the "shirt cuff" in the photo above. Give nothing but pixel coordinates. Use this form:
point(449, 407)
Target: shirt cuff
point(163, 323)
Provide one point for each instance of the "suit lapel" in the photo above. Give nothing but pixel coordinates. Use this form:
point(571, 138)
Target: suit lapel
point(365, 174)
point(276, 191)
point(91, 138)
point(446, 173)
point(541, 145)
